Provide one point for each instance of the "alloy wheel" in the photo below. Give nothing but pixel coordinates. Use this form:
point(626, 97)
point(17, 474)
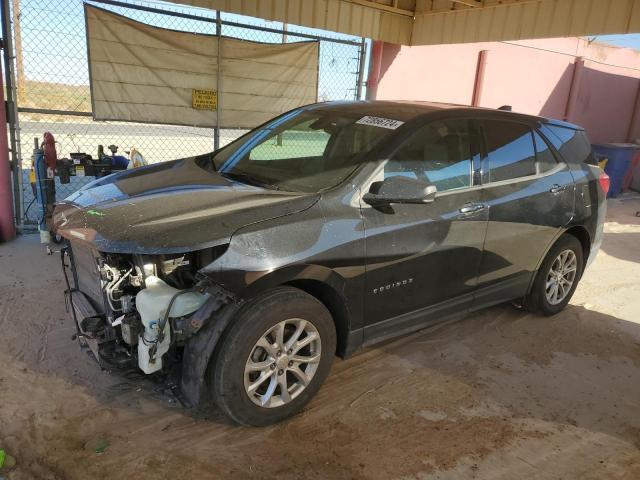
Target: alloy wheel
point(282, 363)
point(561, 277)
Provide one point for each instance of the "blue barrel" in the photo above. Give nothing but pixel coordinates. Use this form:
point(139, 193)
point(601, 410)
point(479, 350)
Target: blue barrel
point(620, 156)
point(119, 161)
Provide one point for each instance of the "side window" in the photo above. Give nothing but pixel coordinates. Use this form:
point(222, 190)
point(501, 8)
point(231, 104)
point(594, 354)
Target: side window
point(573, 145)
point(510, 150)
point(546, 158)
point(439, 153)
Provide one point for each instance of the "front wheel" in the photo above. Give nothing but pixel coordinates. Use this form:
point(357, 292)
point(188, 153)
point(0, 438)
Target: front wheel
point(274, 357)
point(557, 277)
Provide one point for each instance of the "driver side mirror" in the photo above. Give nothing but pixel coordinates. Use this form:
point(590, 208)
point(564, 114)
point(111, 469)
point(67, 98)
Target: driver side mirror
point(400, 189)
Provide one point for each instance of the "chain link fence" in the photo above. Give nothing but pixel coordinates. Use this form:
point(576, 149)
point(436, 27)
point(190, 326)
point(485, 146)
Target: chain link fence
point(52, 80)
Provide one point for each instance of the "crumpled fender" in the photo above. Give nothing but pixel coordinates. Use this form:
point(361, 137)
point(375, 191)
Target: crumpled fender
point(199, 349)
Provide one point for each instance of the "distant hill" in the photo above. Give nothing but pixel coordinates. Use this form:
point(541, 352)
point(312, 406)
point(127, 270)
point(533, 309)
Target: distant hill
point(54, 96)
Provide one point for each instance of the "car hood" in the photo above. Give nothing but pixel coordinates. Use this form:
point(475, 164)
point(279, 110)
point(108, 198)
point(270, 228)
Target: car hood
point(171, 207)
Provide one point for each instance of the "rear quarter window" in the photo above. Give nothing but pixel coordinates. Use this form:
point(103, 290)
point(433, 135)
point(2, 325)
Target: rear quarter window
point(573, 145)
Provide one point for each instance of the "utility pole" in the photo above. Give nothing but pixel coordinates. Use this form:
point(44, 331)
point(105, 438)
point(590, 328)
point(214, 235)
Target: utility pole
point(7, 220)
point(12, 110)
point(362, 57)
point(20, 79)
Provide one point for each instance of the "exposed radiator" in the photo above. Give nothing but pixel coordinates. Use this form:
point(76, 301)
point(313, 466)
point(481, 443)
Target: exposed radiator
point(88, 274)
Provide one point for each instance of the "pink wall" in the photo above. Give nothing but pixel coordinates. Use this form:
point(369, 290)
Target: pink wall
point(534, 76)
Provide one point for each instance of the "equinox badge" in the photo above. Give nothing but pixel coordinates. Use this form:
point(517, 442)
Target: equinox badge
point(390, 286)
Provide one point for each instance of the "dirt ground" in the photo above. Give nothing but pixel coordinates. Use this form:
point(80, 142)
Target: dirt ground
point(500, 394)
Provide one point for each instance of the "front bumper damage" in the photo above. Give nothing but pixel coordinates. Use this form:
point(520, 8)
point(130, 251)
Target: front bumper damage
point(82, 311)
point(85, 317)
point(168, 328)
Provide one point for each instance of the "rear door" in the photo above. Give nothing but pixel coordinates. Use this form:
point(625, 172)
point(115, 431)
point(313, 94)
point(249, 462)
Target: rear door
point(590, 204)
point(426, 256)
point(530, 196)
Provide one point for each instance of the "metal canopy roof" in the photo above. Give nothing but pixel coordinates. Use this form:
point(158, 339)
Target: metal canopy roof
point(427, 22)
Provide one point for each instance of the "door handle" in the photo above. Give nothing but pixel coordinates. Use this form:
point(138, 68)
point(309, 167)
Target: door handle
point(472, 208)
point(558, 188)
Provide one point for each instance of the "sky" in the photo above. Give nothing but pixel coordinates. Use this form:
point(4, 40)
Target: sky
point(630, 41)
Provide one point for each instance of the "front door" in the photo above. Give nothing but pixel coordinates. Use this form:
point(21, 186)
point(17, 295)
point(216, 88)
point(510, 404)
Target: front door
point(425, 255)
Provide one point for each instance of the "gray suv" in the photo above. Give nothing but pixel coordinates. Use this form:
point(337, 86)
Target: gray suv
point(243, 272)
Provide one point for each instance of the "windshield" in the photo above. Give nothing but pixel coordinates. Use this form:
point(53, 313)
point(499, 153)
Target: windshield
point(305, 151)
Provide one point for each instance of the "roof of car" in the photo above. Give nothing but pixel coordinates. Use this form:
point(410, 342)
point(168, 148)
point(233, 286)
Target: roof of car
point(408, 110)
point(398, 110)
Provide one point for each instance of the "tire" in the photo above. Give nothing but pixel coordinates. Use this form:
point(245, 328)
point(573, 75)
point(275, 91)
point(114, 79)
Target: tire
point(252, 341)
point(538, 300)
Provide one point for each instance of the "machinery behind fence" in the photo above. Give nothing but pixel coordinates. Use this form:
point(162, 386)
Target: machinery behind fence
point(49, 83)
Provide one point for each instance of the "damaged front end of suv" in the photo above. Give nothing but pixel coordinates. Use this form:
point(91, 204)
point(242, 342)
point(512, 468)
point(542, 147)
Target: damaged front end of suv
point(243, 270)
point(133, 309)
point(142, 263)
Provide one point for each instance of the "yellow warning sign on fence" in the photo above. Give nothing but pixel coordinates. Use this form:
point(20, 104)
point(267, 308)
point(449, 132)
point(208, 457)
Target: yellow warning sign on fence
point(204, 99)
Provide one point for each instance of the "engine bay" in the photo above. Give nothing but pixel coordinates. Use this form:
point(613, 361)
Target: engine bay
point(134, 310)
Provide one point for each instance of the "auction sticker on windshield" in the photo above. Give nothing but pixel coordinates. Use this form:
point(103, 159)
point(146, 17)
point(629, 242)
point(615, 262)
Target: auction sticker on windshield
point(389, 123)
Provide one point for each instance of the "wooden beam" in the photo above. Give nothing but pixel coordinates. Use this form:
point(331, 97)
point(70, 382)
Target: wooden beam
point(385, 8)
point(485, 4)
point(469, 3)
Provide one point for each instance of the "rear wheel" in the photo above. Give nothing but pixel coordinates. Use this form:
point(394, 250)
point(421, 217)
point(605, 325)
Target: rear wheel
point(557, 277)
point(274, 357)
